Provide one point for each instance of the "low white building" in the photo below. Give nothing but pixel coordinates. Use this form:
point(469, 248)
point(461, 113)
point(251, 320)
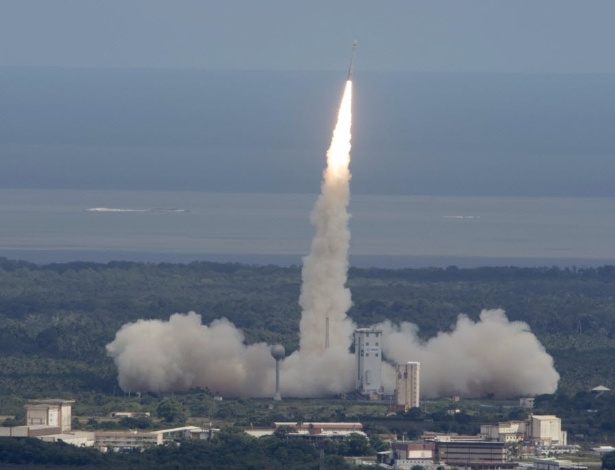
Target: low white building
point(505, 431)
point(29, 431)
point(78, 438)
point(405, 455)
point(555, 464)
point(603, 449)
point(126, 440)
point(312, 430)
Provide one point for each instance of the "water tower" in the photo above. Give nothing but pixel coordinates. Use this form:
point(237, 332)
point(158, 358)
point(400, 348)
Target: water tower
point(278, 352)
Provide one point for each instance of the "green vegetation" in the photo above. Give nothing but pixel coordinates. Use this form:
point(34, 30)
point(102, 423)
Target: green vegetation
point(608, 461)
point(55, 320)
point(230, 450)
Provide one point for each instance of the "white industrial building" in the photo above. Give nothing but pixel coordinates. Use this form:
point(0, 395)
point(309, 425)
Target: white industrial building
point(459, 452)
point(407, 386)
point(506, 431)
point(50, 421)
point(538, 429)
point(50, 413)
point(546, 430)
point(313, 431)
point(368, 353)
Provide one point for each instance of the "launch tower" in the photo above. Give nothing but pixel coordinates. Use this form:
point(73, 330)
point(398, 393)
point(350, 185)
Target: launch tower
point(368, 353)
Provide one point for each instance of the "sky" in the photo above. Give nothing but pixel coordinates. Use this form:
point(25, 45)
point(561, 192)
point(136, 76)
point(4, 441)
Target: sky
point(522, 36)
point(505, 98)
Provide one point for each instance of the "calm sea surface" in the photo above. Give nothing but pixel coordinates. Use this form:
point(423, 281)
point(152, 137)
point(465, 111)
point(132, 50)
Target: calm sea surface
point(388, 231)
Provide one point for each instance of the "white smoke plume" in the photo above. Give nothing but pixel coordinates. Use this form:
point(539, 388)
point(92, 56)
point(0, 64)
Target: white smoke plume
point(182, 353)
point(324, 298)
point(492, 355)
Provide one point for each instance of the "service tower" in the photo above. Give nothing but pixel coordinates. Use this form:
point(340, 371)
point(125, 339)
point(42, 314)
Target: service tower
point(368, 353)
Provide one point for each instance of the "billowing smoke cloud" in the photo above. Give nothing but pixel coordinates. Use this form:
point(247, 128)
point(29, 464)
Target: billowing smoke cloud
point(492, 355)
point(182, 353)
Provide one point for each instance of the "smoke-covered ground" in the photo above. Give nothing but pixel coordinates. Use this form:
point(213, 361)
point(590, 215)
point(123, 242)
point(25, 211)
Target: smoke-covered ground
point(492, 355)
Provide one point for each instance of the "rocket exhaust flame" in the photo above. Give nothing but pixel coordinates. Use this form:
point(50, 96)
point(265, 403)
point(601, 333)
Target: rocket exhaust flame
point(182, 353)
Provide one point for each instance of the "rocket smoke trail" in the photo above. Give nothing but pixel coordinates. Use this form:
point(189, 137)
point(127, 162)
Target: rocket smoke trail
point(323, 363)
point(490, 355)
point(324, 294)
point(183, 353)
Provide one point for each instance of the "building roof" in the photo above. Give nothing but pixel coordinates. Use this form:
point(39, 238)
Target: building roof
point(52, 401)
point(601, 388)
point(183, 428)
point(603, 449)
point(544, 417)
point(307, 424)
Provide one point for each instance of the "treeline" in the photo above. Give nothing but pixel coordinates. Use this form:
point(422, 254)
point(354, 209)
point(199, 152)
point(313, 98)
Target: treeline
point(56, 319)
point(229, 450)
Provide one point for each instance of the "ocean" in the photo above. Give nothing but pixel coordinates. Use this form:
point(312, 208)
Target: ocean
point(45, 226)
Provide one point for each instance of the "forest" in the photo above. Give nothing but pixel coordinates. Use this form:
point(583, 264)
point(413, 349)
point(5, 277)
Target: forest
point(231, 449)
point(56, 319)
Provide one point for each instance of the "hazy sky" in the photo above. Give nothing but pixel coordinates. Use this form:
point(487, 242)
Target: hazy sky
point(448, 35)
point(472, 97)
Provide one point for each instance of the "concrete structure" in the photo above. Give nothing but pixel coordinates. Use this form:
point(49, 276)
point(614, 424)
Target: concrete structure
point(407, 386)
point(526, 402)
point(546, 430)
point(50, 413)
point(506, 431)
point(368, 353)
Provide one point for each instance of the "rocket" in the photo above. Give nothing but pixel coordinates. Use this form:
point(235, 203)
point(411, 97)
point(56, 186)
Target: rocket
point(354, 50)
